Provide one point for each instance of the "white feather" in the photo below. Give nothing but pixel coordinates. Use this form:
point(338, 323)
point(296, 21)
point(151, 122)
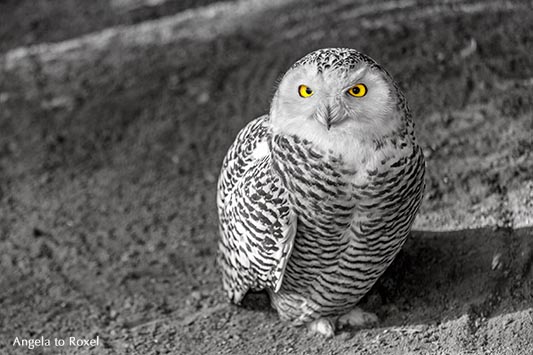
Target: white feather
point(261, 150)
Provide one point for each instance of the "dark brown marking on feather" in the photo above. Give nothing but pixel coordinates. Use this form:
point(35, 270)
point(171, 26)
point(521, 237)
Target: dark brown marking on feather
point(372, 172)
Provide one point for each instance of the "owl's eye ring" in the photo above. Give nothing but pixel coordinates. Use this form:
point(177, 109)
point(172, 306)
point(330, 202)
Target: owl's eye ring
point(305, 91)
point(358, 90)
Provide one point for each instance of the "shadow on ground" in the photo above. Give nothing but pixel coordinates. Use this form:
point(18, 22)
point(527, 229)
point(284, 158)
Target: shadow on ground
point(444, 275)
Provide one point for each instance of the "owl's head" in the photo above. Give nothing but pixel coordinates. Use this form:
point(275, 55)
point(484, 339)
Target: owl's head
point(336, 94)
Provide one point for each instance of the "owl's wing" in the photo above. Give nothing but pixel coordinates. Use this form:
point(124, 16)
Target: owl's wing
point(257, 225)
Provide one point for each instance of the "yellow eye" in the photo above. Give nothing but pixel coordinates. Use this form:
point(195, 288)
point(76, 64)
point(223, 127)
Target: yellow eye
point(358, 90)
point(305, 91)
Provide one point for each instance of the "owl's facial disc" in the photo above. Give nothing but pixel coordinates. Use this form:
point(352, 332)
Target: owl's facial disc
point(339, 100)
point(336, 99)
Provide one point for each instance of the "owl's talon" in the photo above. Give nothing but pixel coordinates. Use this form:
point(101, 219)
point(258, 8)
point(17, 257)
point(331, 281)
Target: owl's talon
point(322, 326)
point(357, 318)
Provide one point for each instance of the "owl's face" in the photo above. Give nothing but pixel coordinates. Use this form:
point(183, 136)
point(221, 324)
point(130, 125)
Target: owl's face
point(333, 102)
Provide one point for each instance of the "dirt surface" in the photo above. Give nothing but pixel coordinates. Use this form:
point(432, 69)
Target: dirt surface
point(110, 147)
point(26, 22)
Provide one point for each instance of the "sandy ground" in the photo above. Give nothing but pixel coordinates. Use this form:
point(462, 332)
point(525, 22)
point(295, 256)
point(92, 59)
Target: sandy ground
point(110, 147)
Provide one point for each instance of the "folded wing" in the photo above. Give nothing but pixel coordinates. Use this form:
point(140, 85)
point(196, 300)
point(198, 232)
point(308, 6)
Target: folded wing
point(257, 225)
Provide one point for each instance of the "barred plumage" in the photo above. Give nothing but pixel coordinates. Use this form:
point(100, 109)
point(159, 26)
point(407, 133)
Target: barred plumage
point(312, 214)
point(357, 233)
point(256, 223)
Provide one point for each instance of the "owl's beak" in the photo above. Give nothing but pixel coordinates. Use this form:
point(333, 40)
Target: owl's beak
point(326, 116)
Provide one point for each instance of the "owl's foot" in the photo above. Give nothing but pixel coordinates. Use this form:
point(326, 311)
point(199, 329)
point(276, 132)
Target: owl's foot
point(322, 326)
point(357, 318)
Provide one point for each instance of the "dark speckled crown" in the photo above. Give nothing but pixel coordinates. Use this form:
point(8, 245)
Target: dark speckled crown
point(336, 58)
